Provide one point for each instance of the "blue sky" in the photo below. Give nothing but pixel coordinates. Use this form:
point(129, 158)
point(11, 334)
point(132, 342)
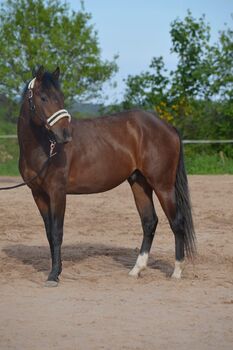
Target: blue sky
point(138, 30)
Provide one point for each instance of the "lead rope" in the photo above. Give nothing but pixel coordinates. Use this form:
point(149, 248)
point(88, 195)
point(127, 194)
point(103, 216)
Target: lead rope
point(51, 155)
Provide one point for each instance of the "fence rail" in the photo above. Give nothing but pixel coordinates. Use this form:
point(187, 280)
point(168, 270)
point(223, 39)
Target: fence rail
point(207, 141)
point(8, 136)
point(184, 141)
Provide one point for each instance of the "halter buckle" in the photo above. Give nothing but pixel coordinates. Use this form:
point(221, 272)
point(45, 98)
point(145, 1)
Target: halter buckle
point(30, 93)
point(52, 146)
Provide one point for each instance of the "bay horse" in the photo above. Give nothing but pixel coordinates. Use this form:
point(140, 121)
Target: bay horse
point(96, 155)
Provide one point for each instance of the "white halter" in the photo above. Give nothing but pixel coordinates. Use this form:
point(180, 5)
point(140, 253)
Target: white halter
point(55, 117)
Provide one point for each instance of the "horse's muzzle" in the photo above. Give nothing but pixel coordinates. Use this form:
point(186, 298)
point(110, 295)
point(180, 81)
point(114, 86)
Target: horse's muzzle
point(62, 135)
point(67, 137)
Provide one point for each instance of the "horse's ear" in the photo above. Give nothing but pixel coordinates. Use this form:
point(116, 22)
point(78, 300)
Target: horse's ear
point(40, 73)
point(34, 72)
point(56, 73)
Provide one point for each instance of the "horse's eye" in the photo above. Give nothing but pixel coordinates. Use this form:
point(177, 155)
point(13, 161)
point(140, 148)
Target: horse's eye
point(43, 98)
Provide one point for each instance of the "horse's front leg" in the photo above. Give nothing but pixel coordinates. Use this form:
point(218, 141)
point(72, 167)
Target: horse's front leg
point(57, 212)
point(43, 203)
point(52, 210)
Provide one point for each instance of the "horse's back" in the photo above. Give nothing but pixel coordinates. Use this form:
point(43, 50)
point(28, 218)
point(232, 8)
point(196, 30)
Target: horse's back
point(125, 123)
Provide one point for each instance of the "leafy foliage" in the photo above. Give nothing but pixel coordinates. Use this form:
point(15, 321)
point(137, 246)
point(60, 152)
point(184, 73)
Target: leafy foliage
point(190, 42)
point(35, 32)
point(222, 69)
point(149, 87)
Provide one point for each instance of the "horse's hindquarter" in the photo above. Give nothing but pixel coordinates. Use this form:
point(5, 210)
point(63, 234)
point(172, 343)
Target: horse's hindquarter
point(104, 153)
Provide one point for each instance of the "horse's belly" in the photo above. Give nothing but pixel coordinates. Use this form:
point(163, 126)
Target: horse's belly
point(94, 187)
point(99, 178)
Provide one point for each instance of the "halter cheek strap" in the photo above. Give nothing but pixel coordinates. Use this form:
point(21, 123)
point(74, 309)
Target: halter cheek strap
point(55, 117)
point(31, 84)
point(30, 95)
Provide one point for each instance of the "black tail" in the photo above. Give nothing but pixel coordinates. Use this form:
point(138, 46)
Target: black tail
point(183, 206)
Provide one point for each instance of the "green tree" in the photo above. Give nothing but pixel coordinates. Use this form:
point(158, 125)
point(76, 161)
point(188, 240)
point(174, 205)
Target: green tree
point(190, 80)
point(35, 32)
point(222, 58)
point(148, 88)
point(191, 43)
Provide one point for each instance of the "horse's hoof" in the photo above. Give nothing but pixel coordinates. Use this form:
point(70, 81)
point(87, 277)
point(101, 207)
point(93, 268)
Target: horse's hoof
point(134, 273)
point(178, 270)
point(51, 284)
point(176, 275)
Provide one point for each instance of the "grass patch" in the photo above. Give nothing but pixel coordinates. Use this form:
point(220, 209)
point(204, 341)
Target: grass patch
point(9, 155)
point(204, 164)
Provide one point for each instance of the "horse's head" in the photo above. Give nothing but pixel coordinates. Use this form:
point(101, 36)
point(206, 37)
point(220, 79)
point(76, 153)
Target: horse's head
point(46, 103)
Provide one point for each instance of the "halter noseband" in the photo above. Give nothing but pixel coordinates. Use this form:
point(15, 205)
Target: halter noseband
point(55, 117)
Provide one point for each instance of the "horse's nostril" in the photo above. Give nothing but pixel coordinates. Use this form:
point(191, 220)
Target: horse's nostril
point(66, 135)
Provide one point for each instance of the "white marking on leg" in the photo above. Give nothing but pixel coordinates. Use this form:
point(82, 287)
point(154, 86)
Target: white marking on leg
point(140, 265)
point(178, 269)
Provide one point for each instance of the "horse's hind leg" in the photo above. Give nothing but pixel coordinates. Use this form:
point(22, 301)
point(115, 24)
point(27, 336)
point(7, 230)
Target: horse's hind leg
point(168, 202)
point(143, 198)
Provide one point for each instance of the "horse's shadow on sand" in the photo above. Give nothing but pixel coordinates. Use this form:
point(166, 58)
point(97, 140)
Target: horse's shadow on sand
point(39, 256)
